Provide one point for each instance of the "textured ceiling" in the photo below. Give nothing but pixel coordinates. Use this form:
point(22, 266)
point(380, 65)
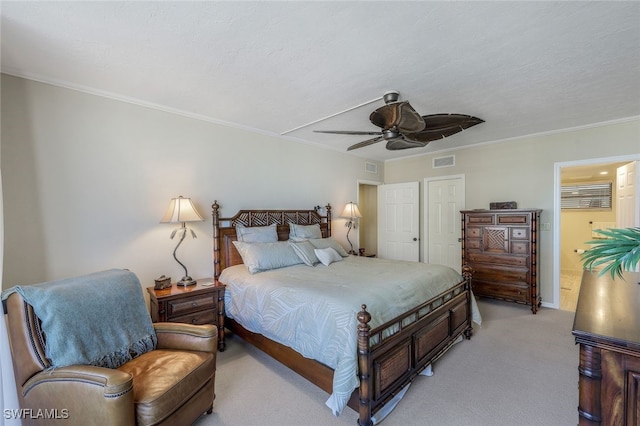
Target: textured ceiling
point(523, 67)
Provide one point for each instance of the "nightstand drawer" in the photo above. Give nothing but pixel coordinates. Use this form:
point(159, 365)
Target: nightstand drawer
point(190, 304)
point(199, 304)
point(203, 317)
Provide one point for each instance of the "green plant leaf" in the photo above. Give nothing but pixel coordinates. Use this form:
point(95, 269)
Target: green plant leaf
point(620, 251)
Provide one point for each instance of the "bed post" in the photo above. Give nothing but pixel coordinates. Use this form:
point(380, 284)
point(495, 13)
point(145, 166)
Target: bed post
point(215, 211)
point(364, 364)
point(328, 207)
point(467, 272)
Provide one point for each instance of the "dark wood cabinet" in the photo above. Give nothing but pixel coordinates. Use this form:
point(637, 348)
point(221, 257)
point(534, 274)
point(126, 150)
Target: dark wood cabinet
point(607, 328)
point(202, 303)
point(502, 248)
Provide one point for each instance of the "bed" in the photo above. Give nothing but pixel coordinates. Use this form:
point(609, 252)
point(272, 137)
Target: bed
point(364, 353)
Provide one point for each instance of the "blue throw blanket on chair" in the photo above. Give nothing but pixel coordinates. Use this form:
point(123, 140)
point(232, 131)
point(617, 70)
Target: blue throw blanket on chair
point(98, 319)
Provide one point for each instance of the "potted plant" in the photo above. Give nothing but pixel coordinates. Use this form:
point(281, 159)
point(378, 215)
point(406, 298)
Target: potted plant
point(619, 252)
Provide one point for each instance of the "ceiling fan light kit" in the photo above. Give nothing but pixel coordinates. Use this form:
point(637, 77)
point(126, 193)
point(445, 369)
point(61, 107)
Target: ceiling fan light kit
point(402, 127)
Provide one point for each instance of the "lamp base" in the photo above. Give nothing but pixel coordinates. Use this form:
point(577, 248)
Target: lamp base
point(187, 281)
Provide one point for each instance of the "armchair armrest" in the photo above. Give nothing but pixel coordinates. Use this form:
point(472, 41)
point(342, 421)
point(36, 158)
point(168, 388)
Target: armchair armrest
point(82, 392)
point(173, 335)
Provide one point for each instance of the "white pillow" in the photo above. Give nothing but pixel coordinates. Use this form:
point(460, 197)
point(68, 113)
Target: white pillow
point(321, 243)
point(299, 232)
point(327, 256)
point(257, 234)
point(258, 257)
point(305, 251)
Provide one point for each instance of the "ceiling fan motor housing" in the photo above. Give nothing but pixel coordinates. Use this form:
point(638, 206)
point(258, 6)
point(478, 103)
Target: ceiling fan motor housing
point(391, 96)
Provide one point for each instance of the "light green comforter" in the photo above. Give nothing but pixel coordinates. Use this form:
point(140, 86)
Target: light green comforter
point(313, 309)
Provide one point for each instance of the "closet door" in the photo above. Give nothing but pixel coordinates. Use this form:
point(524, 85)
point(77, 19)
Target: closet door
point(399, 221)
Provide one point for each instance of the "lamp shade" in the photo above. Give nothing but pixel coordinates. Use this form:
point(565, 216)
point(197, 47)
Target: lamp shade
point(181, 210)
point(351, 211)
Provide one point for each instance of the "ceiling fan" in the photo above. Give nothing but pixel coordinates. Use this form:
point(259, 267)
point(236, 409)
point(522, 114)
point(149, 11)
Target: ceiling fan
point(402, 127)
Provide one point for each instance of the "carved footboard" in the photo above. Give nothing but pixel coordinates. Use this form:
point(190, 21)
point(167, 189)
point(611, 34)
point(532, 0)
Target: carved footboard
point(392, 355)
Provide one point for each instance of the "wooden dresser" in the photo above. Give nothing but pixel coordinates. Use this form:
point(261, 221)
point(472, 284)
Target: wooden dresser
point(502, 248)
point(607, 327)
point(197, 304)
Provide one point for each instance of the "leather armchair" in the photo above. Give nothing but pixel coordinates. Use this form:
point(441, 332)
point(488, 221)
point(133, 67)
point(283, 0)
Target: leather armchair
point(171, 385)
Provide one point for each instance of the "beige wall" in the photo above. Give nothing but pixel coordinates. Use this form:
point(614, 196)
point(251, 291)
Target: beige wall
point(86, 180)
point(523, 171)
point(575, 232)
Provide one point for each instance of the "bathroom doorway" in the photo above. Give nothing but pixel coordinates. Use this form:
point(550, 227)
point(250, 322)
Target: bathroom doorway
point(580, 214)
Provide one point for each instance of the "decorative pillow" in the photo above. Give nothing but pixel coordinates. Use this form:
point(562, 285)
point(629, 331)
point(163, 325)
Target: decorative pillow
point(257, 234)
point(329, 242)
point(327, 256)
point(305, 251)
point(258, 257)
point(298, 232)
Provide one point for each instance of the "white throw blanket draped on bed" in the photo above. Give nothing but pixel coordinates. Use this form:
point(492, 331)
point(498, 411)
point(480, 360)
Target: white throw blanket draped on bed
point(313, 309)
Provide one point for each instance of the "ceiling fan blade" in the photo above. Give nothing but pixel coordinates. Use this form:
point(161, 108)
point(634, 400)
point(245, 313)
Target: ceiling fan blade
point(346, 132)
point(399, 115)
point(365, 143)
point(439, 126)
point(402, 143)
point(444, 121)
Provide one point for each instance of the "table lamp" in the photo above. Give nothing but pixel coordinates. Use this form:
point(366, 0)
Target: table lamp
point(352, 213)
point(182, 210)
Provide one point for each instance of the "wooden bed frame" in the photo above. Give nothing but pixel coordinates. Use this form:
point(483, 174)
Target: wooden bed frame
point(386, 363)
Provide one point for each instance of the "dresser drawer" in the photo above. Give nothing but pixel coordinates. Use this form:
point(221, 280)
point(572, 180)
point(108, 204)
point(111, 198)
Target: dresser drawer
point(506, 219)
point(519, 247)
point(473, 244)
point(483, 272)
point(519, 233)
point(473, 232)
point(519, 293)
point(186, 305)
point(481, 219)
point(499, 259)
point(203, 317)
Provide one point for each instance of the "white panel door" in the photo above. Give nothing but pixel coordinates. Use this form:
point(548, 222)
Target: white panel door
point(443, 202)
point(399, 221)
point(627, 210)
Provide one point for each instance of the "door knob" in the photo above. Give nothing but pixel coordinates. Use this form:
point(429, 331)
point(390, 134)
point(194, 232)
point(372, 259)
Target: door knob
point(415, 239)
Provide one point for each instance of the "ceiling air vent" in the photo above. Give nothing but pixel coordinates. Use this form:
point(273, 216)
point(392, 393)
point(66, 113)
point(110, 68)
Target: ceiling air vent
point(447, 161)
point(371, 167)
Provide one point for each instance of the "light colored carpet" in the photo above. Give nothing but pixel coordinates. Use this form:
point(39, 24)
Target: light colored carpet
point(517, 369)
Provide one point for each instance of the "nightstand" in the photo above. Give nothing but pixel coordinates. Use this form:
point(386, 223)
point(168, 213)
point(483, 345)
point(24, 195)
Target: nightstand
point(197, 304)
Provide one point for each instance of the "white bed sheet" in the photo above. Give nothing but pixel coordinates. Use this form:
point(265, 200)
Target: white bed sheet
point(313, 309)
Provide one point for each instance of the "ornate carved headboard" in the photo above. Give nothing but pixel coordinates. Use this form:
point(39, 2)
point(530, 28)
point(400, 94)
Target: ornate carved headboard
point(224, 229)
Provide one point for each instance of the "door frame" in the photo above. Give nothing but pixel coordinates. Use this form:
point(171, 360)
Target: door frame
point(425, 208)
point(365, 182)
point(557, 190)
